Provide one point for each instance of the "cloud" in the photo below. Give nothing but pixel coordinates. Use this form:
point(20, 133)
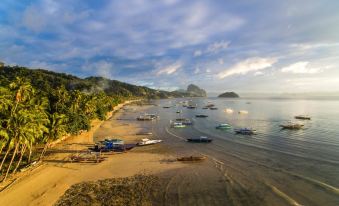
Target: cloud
point(301, 68)
point(170, 69)
point(197, 53)
point(217, 46)
point(213, 48)
point(246, 66)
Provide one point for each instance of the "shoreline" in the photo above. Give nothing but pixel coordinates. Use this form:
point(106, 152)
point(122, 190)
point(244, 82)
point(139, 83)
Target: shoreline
point(44, 185)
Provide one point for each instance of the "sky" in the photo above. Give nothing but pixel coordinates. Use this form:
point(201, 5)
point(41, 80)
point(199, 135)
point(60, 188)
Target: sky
point(269, 46)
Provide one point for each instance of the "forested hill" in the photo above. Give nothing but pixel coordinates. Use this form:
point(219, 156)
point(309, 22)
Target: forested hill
point(47, 80)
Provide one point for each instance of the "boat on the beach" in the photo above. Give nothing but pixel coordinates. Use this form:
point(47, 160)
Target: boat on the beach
point(146, 141)
point(245, 131)
point(243, 112)
point(144, 133)
point(191, 158)
point(201, 139)
point(292, 126)
point(303, 117)
point(223, 126)
point(201, 115)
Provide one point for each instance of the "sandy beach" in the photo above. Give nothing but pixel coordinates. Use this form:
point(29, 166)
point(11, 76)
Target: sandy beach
point(45, 184)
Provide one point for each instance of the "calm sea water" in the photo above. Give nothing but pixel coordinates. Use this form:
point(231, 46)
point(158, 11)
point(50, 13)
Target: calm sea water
point(303, 164)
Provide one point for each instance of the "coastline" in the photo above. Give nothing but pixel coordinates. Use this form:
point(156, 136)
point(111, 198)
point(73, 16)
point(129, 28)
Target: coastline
point(46, 183)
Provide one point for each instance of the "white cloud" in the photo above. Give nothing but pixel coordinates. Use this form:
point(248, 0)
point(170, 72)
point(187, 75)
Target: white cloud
point(170, 69)
point(217, 46)
point(301, 68)
point(258, 73)
point(246, 66)
point(197, 53)
point(221, 61)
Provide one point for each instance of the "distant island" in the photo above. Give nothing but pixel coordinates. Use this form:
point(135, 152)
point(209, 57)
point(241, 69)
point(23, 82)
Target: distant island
point(191, 91)
point(229, 95)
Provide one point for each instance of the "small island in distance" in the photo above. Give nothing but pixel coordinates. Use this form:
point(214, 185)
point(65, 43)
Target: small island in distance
point(229, 95)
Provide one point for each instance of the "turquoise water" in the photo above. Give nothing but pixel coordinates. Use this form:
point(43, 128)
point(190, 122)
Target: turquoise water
point(302, 164)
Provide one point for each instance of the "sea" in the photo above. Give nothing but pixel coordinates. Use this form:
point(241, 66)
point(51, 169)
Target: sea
point(283, 167)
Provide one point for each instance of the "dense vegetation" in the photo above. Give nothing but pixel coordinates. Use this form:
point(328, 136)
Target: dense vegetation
point(39, 106)
point(229, 95)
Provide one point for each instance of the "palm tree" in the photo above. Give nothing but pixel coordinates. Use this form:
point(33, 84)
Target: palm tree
point(56, 128)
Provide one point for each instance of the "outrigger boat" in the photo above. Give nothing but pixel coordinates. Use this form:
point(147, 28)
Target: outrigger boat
point(201, 115)
point(146, 141)
point(227, 110)
point(144, 133)
point(243, 112)
point(178, 125)
point(293, 126)
point(223, 126)
point(184, 121)
point(303, 117)
point(191, 158)
point(201, 139)
point(246, 131)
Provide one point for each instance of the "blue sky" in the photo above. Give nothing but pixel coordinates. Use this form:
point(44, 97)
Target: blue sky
point(221, 45)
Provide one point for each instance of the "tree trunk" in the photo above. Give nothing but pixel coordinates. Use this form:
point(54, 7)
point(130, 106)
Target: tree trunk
point(23, 149)
point(3, 160)
point(2, 149)
point(30, 153)
point(43, 151)
point(10, 164)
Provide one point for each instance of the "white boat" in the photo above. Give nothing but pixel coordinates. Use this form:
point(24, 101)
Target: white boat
point(243, 112)
point(228, 110)
point(144, 142)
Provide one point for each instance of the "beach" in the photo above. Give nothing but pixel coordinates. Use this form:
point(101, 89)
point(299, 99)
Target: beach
point(45, 184)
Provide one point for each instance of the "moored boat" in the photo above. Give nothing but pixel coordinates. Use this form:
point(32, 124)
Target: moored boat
point(201, 139)
point(184, 121)
point(223, 126)
point(228, 110)
point(245, 131)
point(243, 112)
point(146, 141)
point(303, 117)
point(201, 115)
point(292, 126)
point(213, 108)
point(178, 125)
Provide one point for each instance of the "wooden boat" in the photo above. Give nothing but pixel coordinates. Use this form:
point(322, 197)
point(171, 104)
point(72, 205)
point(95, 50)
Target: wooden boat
point(184, 121)
point(223, 126)
point(201, 115)
point(292, 126)
point(245, 131)
point(178, 125)
point(191, 158)
point(243, 112)
point(144, 133)
point(201, 139)
point(303, 117)
point(146, 141)
point(227, 110)
point(191, 107)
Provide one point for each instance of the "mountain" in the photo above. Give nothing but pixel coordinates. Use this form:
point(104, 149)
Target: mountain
point(229, 95)
point(192, 91)
point(47, 80)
